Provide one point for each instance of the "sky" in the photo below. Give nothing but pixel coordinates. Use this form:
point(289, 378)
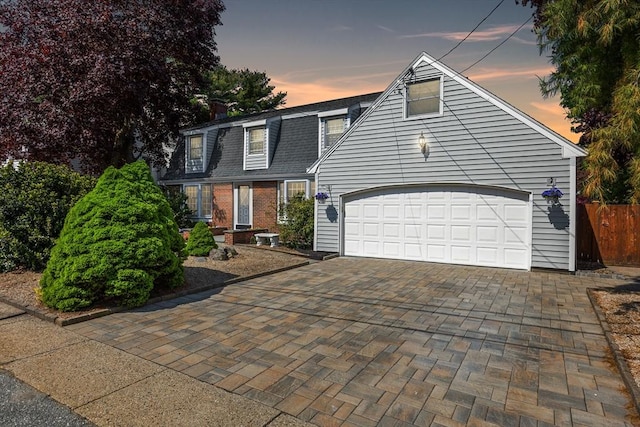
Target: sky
point(317, 50)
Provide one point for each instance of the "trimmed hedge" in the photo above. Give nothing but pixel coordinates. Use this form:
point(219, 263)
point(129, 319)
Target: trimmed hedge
point(35, 198)
point(201, 241)
point(118, 243)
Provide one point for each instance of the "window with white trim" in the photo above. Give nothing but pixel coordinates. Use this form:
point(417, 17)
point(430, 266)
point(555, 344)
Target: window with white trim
point(194, 153)
point(199, 199)
point(332, 130)
point(256, 140)
point(288, 189)
point(423, 98)
point(195, 147)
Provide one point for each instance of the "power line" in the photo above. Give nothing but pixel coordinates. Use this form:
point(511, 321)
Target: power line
point(500, 44)
point(472, 31)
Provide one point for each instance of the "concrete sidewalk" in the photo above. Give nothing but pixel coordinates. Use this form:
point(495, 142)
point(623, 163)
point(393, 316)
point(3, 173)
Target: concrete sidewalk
point(107, 386)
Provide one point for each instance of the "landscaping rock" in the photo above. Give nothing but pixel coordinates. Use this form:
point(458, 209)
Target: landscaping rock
point(218, 255)
point(231, 251)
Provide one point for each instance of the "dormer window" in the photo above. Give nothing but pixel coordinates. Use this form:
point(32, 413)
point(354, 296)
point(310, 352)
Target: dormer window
point(256, 140)
point(195, 147)
point(424, 98)
point(333, 128)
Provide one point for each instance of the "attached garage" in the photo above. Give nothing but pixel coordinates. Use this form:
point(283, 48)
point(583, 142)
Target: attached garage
point(469, 225)
point(438, 169)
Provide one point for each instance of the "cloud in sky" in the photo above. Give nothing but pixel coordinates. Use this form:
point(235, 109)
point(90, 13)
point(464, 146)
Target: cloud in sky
point(553, 116)
point(490, 34)
point(505, 73)
point(383, 28)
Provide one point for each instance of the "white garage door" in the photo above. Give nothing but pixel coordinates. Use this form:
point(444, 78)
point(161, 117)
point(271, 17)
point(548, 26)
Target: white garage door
point(457, 225)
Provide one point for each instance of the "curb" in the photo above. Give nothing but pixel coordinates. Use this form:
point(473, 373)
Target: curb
point(621, 363)
point(107, 311)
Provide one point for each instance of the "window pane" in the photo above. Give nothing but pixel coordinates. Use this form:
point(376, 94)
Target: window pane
point(333, 129)
point(243, 204)
point(295, 187)
point(423, 97)
point(192, 198)
point(195, 147)
point(256, 141)
point(205, 205)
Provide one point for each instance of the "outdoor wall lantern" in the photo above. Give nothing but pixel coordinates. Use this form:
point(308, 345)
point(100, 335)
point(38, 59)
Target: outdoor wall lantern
point(422, 142)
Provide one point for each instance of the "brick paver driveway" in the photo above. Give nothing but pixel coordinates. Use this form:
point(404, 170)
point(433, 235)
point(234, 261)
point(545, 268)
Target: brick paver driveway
point(378, 342)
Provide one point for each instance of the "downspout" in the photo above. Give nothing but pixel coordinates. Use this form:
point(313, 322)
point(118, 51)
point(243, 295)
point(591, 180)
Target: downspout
point(573, 214)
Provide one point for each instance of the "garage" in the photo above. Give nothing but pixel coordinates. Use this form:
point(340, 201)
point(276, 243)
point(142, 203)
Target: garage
point(454, 224)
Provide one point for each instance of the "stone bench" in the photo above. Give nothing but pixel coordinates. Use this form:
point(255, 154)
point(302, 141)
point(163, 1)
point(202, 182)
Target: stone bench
point(261, 239)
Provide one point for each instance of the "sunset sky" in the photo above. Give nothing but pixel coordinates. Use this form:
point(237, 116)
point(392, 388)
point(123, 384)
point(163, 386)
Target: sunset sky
point(317, 50)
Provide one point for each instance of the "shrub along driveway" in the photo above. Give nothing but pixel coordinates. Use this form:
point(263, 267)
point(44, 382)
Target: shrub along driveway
point(378, 342)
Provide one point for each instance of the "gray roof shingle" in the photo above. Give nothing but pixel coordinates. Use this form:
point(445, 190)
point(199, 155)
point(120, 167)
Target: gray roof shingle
point(296, 145)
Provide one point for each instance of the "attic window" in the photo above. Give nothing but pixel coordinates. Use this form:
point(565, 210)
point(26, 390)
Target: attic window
point(195, 147)
point(424, 98)
point(332, 129)
point(256, 140)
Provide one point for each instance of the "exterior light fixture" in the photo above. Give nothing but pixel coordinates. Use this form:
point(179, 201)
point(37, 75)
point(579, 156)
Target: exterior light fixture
point(422, 142)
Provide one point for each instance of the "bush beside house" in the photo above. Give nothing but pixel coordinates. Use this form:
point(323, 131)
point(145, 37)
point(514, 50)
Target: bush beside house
point(35, 198)
point(201, 240)
point(297, 229)
point(118, 243)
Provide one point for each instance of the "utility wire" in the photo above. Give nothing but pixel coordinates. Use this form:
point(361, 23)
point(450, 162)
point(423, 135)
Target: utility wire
point(472, 31)
point(501, 43)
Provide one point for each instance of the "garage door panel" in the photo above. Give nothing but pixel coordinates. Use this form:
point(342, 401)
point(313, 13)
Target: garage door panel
point(487, 213)
point(391, 250)
point(461, 254)
point(436, 253)
point(391, 231)
point(462, 225)
point(391, 211)
point(413, 211)
point(370, 229)
point(487, 234)
point(487, 255)
point(413, 251)
point(436, 212)
point(461, 212)
point(461, 233)
point(516, 213)
point(436, 232)
point(515, 235)
point(371, 211)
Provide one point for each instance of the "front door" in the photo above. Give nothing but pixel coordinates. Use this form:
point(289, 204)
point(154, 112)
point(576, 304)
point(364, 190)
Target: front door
point(243, 206)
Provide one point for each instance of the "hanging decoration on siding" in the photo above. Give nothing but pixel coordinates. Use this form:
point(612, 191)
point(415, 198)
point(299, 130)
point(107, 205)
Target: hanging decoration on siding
point(321, 196)
point(552, 195)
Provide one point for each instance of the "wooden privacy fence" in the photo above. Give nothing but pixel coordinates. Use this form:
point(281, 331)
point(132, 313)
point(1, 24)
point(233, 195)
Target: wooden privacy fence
point(608, 235)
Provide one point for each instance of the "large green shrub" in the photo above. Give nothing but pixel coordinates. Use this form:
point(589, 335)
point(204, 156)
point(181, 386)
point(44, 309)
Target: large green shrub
point(297, 231)
point(35, 198)
point(201, 240)
point(118, 242)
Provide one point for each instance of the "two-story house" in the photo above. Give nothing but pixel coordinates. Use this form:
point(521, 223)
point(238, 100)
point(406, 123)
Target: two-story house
point(237, 171)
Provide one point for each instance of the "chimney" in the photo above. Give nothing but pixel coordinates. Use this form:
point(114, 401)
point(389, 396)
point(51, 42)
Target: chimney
point(217, 109)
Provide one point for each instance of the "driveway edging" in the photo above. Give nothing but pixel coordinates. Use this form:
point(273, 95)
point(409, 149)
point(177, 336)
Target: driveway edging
point(621, 363)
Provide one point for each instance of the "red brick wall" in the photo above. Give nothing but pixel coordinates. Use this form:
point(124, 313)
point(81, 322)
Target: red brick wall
point(265, 201)
point(223, 205)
